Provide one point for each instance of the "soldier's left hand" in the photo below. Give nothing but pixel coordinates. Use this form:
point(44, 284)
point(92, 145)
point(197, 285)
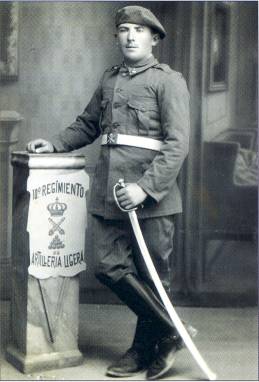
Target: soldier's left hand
point(131, 195)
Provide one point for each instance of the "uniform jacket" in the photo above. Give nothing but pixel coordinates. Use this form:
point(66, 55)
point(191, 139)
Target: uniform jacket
point(151, 100)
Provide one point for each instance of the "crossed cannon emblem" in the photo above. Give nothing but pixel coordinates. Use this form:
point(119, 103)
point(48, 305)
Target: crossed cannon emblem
point(56, 227)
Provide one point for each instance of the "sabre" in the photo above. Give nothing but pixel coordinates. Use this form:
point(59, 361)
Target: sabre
point(159, 286)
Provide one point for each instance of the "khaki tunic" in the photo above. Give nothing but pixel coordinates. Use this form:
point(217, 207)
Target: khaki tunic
point(152, 101)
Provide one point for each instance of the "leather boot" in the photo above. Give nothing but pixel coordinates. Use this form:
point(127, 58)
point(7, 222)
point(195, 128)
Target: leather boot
point(167, 347)
point(141, 299)
point(139, 356)
point(164, 360)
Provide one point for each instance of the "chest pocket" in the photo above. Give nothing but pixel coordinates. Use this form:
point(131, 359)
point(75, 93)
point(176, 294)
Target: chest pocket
point(144, 113)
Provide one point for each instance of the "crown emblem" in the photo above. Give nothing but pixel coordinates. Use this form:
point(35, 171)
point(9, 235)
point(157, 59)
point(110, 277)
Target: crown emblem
point(57, 208)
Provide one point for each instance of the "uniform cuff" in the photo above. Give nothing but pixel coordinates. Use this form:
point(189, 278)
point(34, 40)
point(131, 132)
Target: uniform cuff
point(148, 191)
point(58, 146)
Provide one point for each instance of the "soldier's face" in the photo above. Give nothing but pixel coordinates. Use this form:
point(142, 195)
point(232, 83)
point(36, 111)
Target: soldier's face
point(136, 41)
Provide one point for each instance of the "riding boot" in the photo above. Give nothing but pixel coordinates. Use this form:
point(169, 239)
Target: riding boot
point(140, 355)
point(141, 299)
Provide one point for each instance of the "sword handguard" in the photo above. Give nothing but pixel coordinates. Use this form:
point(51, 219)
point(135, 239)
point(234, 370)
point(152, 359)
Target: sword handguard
point(121, 184)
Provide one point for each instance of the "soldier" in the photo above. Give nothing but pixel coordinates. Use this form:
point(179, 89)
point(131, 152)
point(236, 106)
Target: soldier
point(141, 111)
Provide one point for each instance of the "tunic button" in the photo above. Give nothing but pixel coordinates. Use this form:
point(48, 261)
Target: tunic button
point(119, 90)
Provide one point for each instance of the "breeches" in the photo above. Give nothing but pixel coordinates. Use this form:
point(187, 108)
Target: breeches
point(116, 251)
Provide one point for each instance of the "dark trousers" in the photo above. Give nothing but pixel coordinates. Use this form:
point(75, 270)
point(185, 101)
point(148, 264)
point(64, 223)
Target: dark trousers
point(116, 252)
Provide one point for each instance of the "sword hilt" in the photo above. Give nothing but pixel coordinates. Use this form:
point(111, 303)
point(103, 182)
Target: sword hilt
point(121, 184)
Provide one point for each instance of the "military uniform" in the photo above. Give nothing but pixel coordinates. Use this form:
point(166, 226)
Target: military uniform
point(149, 101)
point(146, 102)
point(152, 101)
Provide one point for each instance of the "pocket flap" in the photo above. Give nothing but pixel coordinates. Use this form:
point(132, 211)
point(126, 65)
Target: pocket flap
point(143, 105)
point(136, 105)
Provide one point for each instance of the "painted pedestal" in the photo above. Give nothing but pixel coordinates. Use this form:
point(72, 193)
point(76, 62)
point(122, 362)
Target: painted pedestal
point(44, 311)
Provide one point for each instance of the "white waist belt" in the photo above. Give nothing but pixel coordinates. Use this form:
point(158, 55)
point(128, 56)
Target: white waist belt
point(113, 139)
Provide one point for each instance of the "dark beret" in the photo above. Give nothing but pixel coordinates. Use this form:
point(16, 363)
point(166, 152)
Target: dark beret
point(134, 14)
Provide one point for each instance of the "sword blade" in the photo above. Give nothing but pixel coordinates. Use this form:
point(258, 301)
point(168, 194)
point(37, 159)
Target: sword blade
point(165, 299)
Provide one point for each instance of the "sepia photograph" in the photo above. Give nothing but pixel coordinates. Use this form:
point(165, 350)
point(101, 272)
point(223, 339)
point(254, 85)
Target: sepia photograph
point(129, 190)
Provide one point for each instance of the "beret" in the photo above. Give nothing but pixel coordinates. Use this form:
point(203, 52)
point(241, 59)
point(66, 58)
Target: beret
point(134, 14)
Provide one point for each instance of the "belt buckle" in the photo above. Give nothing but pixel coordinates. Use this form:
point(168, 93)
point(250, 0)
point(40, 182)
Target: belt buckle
point(112, 138)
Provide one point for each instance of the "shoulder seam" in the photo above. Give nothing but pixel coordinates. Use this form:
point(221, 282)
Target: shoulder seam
point(166, 68)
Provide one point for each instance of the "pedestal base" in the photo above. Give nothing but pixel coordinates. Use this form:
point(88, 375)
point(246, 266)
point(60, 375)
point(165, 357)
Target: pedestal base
point(31, 363)
point(45, 303)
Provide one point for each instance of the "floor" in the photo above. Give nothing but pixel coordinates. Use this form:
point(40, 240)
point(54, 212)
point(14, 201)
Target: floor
point(227, 339)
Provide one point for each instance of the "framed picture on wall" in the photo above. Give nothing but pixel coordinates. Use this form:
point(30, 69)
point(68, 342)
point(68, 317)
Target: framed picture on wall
point(218, 57)
point(8, 40)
